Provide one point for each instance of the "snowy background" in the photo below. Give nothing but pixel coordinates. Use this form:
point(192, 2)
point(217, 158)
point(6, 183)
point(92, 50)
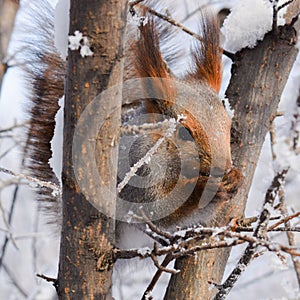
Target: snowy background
point(33, 247)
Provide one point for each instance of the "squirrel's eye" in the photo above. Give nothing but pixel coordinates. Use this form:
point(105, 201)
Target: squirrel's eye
point(184, 134)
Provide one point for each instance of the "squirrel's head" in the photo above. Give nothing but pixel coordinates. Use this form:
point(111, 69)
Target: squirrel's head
point(194, 97)
point(198, 147)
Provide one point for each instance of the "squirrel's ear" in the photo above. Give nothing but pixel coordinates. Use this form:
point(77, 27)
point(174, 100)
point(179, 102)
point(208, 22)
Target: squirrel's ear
point(207, 56)
point(150, 64)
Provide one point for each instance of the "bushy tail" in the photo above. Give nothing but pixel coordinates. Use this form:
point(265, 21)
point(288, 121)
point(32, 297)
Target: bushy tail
point(44, 73)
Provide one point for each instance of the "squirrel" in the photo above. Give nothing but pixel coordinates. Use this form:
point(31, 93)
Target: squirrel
point(192, 162)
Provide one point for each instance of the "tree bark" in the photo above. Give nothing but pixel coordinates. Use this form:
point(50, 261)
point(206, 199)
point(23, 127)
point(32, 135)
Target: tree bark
point(258, 78)
point(86, 232)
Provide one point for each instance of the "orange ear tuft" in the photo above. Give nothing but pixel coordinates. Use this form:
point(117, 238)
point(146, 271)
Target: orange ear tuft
point(208, 54)
point(150, 63)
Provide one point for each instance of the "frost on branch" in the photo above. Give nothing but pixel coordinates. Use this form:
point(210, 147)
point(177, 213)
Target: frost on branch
point(34, 182)
point(171, 123)
point(189, 241)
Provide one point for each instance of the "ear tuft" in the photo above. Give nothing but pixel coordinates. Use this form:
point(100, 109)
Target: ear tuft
point(207, 57)
point(149, 63)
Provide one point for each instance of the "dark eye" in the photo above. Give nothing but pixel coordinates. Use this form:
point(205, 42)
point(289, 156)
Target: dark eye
point(184, 134)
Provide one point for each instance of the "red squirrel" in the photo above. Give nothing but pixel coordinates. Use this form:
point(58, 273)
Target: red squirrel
point(195, 156)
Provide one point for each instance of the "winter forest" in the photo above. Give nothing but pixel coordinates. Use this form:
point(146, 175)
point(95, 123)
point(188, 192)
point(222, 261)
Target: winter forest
point(220, 84)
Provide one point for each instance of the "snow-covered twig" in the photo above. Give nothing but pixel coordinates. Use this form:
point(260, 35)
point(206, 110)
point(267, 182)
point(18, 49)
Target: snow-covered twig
point(294, 134)
point(289, 234)
point(187, 242)
point(259, 232)
point(166, 18)
point(138, 129)
point(284, 220)
point(41, 183)
point(171, 128)
point(173, 22)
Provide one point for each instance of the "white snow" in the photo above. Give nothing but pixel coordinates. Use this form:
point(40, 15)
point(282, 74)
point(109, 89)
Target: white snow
point(75, 40)
point(144, 251)
point(78, 41)
point(247, 23)
point(85, 49)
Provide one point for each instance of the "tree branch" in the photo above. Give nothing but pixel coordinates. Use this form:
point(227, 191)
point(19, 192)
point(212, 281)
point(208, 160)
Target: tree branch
point(258, 79)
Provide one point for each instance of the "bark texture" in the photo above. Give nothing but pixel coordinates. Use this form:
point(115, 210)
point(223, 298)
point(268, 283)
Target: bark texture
point(258, 78)
point(87, 233)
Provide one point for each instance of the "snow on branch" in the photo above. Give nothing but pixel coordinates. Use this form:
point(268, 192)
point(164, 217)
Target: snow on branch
point(143, 128)
point(34, 181)
point(172, 123)
point(260, 233)
point(165, 17)
point(185, 242)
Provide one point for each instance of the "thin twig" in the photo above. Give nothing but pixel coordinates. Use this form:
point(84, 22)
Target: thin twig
point(290, 235)
point(285, 4)
point(275, 15)
point(11, 210)
point(147, 157)
point(197, 10)
point(272, 139)
point(282, 204)
point(157, 275)
point(10, 216)
point(40, 183)
point(49, 279)
point(8, 150)
point(173, 22)
point(138, 129)
point(285, 229)
point(161, 267)
point(155, 229)
point(166, 18)
point(288, 229)
point(259, 232)
point(13, 127)
point(284, 220)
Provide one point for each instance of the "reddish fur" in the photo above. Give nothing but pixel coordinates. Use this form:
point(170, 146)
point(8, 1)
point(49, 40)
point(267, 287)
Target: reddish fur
point(207, 60)
point(150, 63)
point(208, 54)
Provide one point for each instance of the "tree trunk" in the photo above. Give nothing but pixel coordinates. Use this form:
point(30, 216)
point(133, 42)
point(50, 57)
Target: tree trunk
point(258, 78)
point(87, 233)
